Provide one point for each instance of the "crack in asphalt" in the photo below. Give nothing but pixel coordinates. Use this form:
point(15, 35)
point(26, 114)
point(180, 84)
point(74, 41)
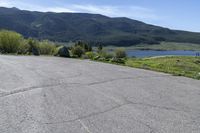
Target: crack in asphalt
point(7, 93)
point(106, 81)
point(125, 78)
point(22, 90)
point(124, 100)
point(79, 119)
point(159, 107)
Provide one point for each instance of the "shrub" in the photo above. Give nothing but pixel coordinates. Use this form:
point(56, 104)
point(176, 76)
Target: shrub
point(103, 59)
point(106, 55)
point(47, 48)
point(77, 51)
point(90, 55)
point(23, 48)
point(63, 51)
point(97, 57)
point(197, 76)
point(118, 60)
point(120, 53)
point(9, 41)
point(33, 47)
point(86, 47)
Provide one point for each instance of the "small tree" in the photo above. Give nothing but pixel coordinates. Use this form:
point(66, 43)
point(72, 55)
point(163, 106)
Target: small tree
point(85, 46)
point(77, 51)
point(120, 53)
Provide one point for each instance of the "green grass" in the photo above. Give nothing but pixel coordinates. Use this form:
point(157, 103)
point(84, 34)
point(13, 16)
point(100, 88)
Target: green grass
point(179, 66)
point(161, 46)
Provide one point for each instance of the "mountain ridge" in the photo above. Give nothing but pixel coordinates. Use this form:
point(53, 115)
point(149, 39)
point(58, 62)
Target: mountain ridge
point(93, 28)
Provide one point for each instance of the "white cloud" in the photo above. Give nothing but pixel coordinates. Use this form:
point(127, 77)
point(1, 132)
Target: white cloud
point(135, 12)
point(58, 9)
point(5, 3)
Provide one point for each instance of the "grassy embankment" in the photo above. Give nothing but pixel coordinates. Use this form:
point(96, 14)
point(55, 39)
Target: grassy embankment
point(178, 66)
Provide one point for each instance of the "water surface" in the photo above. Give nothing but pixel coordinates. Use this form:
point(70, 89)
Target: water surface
point(151, 53)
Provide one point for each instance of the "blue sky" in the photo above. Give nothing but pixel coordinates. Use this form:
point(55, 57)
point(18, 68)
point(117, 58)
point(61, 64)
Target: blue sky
point(175, 14)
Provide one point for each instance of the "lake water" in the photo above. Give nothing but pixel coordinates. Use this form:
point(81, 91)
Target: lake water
point(151, 53)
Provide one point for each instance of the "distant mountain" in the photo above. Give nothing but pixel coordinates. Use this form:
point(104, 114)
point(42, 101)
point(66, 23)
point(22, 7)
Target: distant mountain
point(88, 27)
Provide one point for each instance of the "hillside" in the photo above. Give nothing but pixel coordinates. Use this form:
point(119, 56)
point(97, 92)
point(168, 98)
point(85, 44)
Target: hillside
point(93, 28)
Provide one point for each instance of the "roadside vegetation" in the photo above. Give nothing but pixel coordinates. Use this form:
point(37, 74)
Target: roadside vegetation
point(14, 43)
point(178, 66)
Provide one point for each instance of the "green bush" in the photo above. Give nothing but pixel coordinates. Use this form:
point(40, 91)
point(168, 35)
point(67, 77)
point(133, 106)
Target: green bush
point(97, 57)
point(33, 47)
point(77, 51)
point(47, 48)
point(106, 55)
point(90, 55)
point(197, 76)
point(120, 53)
point(117, 60)
point(10, 41)
point(103, 59)
point(23, 48)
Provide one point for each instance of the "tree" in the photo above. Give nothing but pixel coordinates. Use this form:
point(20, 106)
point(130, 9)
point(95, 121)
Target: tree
point(85, 46)
point(120, 53)
point(77, 51)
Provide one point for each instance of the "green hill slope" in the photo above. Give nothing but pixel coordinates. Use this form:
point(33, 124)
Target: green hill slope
point(93, 28)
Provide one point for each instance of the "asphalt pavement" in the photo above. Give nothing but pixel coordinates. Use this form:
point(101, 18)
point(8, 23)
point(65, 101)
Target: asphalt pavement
point(60, 95)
